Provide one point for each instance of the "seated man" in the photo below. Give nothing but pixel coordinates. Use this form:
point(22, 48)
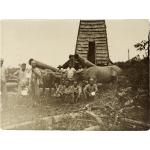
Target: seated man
point(76, 91)
point(90, 90)
point(60, 90)
point(68, 92)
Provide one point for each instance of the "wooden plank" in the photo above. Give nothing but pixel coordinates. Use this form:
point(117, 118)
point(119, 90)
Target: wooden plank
point(94, 38)
point(101, 42)
point(135, 122)
point(86, 26)
point(92, 22)
point(82, 42)
point(101, 45)
point(82, 52)
point(92, 32)
point(101, 58)
point(48, 120)
point(92, 35)
point(82, 48)
point(99, 62)
point(91, 29)
point(99, 49)
point(101, 52)
point(82, 55)
point(97, 41)
point(83, 45)
point(98, 119)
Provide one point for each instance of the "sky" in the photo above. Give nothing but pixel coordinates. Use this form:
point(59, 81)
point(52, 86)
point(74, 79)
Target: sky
point(51, 41)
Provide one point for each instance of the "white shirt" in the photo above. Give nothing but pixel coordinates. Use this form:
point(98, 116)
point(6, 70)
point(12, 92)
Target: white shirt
point(23, 76)
point(70, 73)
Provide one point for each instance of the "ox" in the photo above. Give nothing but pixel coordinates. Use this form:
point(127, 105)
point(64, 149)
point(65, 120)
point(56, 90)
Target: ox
point(106, 74)
point(49, 79)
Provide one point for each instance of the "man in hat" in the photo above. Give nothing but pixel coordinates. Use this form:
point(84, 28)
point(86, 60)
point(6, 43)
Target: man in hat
point(3, 87)
point(35, 81)
point(23, 78)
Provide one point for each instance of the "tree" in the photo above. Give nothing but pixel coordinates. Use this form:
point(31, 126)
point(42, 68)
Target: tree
point(143, 46)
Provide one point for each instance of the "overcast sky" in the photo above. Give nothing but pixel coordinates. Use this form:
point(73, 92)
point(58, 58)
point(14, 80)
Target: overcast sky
point(51, 41)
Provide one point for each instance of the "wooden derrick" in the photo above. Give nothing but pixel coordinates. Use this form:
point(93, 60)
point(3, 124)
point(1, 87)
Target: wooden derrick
point(93, 32)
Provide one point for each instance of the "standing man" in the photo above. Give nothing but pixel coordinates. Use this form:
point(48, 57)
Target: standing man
point(3, 87)
point(35, 82)
point(70, 72)
point(23, 79)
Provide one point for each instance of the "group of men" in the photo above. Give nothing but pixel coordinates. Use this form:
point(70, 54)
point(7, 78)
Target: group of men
point(72, 90)
point(68, 88)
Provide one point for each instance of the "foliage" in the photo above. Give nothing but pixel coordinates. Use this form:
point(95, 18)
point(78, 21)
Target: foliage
point(136, 72)
point(142, 46)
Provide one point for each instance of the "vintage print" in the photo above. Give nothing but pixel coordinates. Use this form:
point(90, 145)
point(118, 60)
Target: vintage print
point(90, 75)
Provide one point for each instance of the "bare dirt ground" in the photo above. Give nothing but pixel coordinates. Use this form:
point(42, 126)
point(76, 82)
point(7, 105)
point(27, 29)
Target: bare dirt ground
point(111, 107)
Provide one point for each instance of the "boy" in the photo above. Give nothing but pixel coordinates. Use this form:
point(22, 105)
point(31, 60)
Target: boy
point(90, 90)
point(76, 91)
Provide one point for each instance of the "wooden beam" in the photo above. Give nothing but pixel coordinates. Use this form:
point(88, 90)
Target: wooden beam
point(91, 29)
point(48, 120)
point(92, 22)
point(91, 26)
point(92, 128)
point(92, 35)
point(135, 122)
point(98, 119)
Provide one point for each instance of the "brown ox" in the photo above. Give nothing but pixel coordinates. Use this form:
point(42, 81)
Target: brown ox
point(49, 78)
point(106, 74)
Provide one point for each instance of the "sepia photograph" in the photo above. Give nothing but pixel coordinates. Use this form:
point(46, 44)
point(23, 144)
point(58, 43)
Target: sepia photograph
point(87, 75)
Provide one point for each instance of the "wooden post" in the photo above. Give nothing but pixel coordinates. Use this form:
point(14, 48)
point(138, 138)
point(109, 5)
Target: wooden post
point(128, 54)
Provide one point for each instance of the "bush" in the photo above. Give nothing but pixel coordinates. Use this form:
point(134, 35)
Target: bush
point(136, 72)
